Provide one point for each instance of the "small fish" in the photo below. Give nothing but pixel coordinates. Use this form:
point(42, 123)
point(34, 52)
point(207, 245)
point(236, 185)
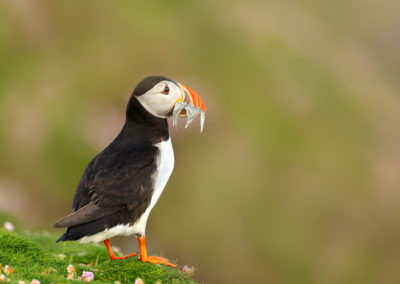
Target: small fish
point(191, 112)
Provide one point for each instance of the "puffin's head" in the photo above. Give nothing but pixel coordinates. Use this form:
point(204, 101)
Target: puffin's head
point(163, 97)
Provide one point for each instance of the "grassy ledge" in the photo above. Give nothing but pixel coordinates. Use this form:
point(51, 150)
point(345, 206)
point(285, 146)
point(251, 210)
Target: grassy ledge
point(38, 256)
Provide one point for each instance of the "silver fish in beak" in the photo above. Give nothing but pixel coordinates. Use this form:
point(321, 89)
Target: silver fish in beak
point(189, 105)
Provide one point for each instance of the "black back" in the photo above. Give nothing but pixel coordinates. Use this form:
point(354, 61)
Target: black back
point(119, 179)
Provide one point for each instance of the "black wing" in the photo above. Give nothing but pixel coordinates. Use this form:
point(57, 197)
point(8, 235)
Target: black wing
point(114, 179)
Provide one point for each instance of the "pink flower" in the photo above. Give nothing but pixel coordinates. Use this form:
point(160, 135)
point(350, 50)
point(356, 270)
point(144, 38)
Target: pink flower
point(8, 226)
point(116, 249)
point(139, 281)
point(71, 268)
point(8, 270)
point(189, 270)
point(87, 276)
point(35, 281)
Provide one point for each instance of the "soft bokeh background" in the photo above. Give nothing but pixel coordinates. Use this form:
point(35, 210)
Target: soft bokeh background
point(296, 178)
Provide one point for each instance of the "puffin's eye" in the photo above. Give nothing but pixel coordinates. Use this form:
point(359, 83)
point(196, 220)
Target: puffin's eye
point(166, 90)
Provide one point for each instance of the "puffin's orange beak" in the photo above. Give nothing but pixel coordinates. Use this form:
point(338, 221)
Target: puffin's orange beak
point(189, 96)
point(189, 105)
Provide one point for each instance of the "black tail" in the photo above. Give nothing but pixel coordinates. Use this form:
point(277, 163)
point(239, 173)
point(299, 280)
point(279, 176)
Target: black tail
point(77, 232)
point(62, 238)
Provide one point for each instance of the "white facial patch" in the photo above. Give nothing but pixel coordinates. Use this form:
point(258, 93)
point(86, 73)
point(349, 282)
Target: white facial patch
point(158, 103)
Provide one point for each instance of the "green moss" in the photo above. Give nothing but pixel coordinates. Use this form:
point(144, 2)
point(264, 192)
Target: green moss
point(37, 256)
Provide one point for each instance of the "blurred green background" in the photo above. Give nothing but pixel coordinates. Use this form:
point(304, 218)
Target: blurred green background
point(296, 178)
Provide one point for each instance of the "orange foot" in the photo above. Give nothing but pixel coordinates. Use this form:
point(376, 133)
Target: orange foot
point(152, 259)
point(111, 253)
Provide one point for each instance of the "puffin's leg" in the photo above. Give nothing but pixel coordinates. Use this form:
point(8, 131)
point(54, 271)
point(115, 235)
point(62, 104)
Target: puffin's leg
point(152, 259)
point(111, 253)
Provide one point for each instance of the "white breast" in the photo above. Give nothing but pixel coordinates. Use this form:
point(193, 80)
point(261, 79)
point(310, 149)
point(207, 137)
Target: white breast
point(165, 165)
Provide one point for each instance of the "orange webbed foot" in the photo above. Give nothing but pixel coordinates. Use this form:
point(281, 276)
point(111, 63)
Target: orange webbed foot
point(114, 257)
point(111, 253)
point(152, 259)
point(157, 260)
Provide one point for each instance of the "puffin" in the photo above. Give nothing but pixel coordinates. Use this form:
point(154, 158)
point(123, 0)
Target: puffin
point(121, 185)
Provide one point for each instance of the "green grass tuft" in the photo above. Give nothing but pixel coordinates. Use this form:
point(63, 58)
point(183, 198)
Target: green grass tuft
point(36, 256)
